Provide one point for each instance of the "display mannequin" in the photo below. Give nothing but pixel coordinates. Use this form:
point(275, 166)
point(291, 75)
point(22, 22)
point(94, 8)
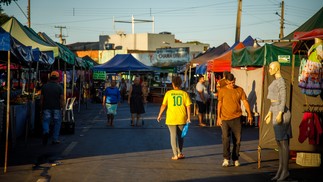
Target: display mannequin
point(280, 117)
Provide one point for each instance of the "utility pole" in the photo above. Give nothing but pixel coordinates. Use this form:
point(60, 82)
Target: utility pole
point(238, 25)
point(28, 12)
point(281, 35)
point(60, 35)
point(133, 21)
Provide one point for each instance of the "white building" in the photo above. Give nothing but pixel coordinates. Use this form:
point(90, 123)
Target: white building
point(143, 46)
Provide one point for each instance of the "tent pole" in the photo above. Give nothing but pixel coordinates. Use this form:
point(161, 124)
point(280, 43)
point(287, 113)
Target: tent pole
point(73, 77)
point(7, 114)
point(260, 124)
point(64, 82)
point(259, 157)
point(292, 83)
point(80, 90)
point(189, 78)
point(35, 82)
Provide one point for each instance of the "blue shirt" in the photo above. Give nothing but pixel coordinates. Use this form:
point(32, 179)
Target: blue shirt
point(112, 95)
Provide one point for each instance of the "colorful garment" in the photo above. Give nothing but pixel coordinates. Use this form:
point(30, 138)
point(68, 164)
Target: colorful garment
point(310, 128)
point(311, 75)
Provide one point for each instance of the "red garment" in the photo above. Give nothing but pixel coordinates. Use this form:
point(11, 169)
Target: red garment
point(310, 128)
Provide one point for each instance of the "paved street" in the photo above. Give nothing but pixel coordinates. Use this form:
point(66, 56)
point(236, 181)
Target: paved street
point(97, 152)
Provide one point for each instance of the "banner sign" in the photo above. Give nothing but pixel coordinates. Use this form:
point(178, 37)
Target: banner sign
point(284, 58)
point(99, 75)
point(169, 57)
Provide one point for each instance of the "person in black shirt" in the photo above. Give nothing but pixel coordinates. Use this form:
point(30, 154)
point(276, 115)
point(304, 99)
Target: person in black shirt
point(52, 103)
point(136, 100)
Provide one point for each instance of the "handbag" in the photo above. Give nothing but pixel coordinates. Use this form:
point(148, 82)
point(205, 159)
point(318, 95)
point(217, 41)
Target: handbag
point(185, 129)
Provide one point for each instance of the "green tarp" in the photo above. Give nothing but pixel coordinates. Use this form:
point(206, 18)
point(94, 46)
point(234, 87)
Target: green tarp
point(262, 56)
point(26, 37)
point(316, 21)
point(64, 53)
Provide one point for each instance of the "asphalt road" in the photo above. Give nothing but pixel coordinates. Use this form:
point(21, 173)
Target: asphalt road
point(97, 152)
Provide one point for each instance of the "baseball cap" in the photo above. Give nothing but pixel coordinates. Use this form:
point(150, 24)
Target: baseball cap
point(54, 74)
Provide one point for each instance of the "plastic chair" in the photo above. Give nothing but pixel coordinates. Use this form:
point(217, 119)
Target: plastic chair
point(69, 109)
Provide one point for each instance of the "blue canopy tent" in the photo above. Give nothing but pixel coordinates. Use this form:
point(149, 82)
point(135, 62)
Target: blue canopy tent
point(201, 69)
point(123, 63)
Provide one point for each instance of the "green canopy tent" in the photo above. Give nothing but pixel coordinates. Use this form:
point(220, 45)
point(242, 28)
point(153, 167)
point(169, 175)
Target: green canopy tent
point(316, 21)
point(64, 53)
point(20, 33)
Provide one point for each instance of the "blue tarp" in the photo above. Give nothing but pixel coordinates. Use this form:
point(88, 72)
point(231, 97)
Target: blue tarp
point(4, 40)
point(22, 53)
point(122, 63)
point(247, 42)
point(201, 69)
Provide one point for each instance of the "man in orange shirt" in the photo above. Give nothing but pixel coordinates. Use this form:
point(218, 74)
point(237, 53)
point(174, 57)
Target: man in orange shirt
point(229, 116)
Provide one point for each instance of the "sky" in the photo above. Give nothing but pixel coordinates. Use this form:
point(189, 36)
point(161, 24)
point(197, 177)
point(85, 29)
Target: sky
point(207, 21)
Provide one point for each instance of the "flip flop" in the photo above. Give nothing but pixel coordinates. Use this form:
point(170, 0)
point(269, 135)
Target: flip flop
point(174, 158)
point(180, 156)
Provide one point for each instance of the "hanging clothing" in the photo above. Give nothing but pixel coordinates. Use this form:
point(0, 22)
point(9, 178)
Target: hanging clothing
point(311, 74)
point(310, 79)
point(310, 128)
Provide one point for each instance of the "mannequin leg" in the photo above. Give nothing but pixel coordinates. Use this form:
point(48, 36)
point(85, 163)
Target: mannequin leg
point(280, 161)
point(285, 149)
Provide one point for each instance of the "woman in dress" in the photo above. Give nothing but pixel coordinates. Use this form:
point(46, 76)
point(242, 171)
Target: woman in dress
point(136, 100)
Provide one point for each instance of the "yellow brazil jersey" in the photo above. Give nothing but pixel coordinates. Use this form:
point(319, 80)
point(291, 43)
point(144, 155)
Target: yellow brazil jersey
point(176, 102)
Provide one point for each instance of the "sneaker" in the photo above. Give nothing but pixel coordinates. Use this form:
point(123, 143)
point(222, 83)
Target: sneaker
point(236, 163)
point(225, 163)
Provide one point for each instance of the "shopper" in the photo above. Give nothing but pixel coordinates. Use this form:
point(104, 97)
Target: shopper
point(111, 98)
point(229, 118)
point(136, 101)
point(52, 104)
point(178, 105)
point(202, 97)
point(123, 89)
point(280, 116)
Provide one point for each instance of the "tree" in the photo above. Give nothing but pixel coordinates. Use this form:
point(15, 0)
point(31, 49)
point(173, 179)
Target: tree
point(6, 2)
point(4, 17)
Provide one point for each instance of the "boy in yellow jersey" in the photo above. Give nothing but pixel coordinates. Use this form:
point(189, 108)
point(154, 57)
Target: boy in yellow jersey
point(178, 105)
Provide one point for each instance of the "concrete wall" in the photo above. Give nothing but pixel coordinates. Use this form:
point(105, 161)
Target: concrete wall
point(150, 42)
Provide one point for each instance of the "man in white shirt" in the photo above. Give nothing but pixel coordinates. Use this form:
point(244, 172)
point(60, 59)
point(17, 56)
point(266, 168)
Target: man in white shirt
point(201, 99)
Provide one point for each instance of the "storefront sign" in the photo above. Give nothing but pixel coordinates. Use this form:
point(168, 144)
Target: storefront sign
point(172, 56)
point(99, 75)
point(284, 58)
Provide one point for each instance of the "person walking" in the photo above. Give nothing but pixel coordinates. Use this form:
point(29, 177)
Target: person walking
point(123, 89)
point(280, 117)
point(229, 118)
point(52, 104)
point(178, 113)
point(136, 101)
point(111, 98)
point(202, 97)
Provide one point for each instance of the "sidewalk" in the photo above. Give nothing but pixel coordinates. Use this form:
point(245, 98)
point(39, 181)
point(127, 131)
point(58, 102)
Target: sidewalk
point(125, 153)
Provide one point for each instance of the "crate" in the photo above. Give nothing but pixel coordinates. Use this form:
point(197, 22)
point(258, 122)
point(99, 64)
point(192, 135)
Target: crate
point(308, 159)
